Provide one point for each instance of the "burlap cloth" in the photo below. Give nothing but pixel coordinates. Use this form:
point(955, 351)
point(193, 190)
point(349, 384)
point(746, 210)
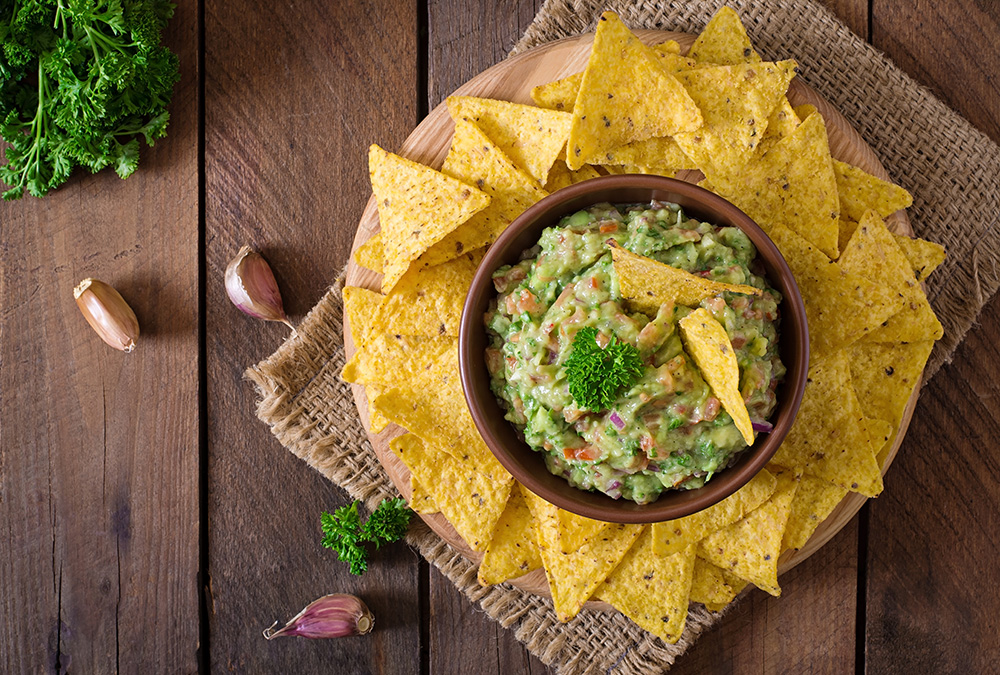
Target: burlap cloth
point(950, 168)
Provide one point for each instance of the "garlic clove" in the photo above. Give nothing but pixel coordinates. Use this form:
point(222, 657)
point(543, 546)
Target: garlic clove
point(107, 313)
point(331, 616)
point(251, 286)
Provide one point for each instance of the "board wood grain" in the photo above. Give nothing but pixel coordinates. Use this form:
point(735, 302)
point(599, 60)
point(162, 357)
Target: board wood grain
point(512, 80)
point(98, 459)
point(288, 93)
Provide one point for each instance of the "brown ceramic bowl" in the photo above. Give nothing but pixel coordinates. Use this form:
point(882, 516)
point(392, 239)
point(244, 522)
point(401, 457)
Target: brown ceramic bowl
point(527, 465)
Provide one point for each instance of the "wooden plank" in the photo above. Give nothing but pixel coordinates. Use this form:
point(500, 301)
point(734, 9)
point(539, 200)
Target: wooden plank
point(293, 98)
point(854, 13)
point(99, 449)
point(931, 602)
point(463, 40)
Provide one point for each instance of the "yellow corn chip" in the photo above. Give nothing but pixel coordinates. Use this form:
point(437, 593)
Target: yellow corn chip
point(625, 96)
point(793, 185)
point(513, 551)
point(370, 254)
point(471, 501)
point(475, 159)
point(846, 230)
point(724, 41)
point(707, 342)
point(873, 253)
point(782, 122)
point(417, 207)
point(924, 256)
point(880, 431)
point(736, 103)
point(559, 177)
point(814, 501)
point(805, 110)
point(428, 301)
point(575, 531)
point(860, 191)
point(647, 284)
point(840, 307)
point(377, 422)
point(532, 137)
point(385, 358)
point(829, 438)
point(884, 376)
point(421, 501)
point(652, 590)
point(709, 587)
point(749, 549)
point(671, 536)
point(659, 152)
point(360, 309)
point(573, 577)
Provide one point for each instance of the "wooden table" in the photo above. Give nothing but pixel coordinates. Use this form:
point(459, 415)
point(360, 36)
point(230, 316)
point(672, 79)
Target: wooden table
point(153, 525)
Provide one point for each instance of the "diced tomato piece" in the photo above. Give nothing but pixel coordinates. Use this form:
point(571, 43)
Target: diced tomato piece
point(588, 453)
point(608, 228)
point(711, 408)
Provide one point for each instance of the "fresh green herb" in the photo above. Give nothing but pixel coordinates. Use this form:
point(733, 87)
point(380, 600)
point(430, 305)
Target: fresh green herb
point(80, 82)
point(596, 375)
point(346, 535)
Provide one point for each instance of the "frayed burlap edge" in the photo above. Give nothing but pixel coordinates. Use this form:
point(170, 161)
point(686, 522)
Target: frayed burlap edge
point(310, 410)
point(949, 167)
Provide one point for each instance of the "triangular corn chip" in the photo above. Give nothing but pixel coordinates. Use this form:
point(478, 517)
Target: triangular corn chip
point(724, 40)
point(512, 551)
point(924, 256)
point(814, 500)
point(417, 207)
point(709, 586)
point(576, 530)
point(663, 153)
point(421, 501)
point(707, 342)
point(625, 96)
point(532, 137)
point(360, 310)
point(370, 254)
point(860, 191)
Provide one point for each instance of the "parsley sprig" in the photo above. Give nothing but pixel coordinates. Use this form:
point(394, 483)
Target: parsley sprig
point(344, 532)
point(596, 375)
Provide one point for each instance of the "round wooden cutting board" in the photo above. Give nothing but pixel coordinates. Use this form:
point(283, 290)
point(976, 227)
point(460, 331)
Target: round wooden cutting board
point(512, 80)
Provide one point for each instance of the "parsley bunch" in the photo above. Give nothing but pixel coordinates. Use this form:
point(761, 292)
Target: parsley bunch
point(346, 535)
point(596, 374)
point(80, 82)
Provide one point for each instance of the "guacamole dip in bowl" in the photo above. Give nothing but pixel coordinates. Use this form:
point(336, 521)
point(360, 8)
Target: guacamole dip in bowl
point(659, 443)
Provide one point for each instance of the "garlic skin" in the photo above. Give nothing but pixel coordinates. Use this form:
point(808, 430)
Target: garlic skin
point(107, 313)
point(331, 616)
point(251, 286)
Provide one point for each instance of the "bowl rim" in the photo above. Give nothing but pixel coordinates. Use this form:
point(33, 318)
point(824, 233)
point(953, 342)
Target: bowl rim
point(670, 504)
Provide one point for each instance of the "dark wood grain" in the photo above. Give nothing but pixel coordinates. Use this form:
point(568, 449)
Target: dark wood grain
point(293, 98)
point(465, 39)
point(98, 459)
point(854, 13)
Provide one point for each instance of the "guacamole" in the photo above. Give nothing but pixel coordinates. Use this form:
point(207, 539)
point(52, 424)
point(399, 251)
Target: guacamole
point(666, 430)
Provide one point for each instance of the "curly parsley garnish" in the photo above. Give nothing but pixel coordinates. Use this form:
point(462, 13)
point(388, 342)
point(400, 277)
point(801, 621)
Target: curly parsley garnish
point(346, 535)
point(596, 375)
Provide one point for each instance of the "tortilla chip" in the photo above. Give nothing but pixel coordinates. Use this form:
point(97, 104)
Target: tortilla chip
point(924, 256)
point(513, 551)
point(377, 422)
point(708, 343)
point(750, 548)
point(873, 252)
point(658, 152)
point(840, 307)
point(724, 41)
point(736, 103)
point(793, 186)
point(782, 122)
point(575, 531)
point(805, 110)
point(625, 96)
point(860, 191)
point(573, 577)
point(386, 359)
point(884, 376)
point(421, 501)
point(647, 283)
point(417, 207)
point(532, 137)
point(471, 501)
point(845, 230)
point(429, 301)
point(652, 590)
point(829, 438)
point(672, 536)
point(370, 255)
point(814, 501)
point(475, 159)
point(560, 176)
point(360, 310)
point(880, 432)
point(709, 587)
